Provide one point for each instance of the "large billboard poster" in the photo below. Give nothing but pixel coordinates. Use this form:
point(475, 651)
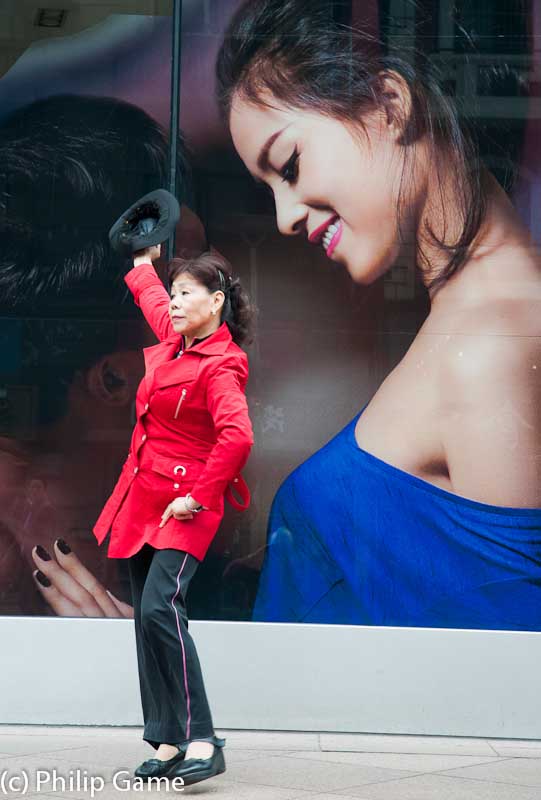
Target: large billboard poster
point(372, 176)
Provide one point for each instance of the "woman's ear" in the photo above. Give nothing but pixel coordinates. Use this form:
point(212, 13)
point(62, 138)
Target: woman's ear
point(218, 301)
point(396, 101)
point(108, 380)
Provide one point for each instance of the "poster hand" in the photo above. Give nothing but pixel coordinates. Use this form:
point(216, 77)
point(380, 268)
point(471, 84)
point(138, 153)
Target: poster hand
point(72, 590)
point(125, 609)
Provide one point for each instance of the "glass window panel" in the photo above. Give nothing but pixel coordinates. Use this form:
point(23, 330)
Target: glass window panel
point(84, 120)
point(325, 345)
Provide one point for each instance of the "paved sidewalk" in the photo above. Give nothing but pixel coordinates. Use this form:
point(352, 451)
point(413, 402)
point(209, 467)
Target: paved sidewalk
point(276, 766)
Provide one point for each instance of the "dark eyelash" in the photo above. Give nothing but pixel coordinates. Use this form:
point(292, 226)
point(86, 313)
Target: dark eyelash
point(290, 171)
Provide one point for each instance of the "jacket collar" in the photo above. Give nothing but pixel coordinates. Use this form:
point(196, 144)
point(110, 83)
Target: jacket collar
point(162, 355)
point(214, 345)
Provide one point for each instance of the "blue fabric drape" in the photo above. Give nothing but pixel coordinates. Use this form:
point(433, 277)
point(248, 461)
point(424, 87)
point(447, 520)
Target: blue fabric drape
point(354, 540)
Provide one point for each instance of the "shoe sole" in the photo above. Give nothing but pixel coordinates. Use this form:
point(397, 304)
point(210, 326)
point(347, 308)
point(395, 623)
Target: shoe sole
point(189, 780)
point(202, 775)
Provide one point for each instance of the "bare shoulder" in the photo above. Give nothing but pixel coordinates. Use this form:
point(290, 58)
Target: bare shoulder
point(486, 344)
point(489, 389)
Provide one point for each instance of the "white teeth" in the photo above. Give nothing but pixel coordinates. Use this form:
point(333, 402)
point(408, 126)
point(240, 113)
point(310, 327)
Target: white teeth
point(329, 234)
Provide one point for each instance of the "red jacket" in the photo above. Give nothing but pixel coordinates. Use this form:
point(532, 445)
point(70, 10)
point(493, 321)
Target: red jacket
point(193, 434)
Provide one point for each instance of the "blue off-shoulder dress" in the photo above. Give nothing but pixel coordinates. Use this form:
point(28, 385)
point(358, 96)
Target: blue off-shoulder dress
point(354, 540)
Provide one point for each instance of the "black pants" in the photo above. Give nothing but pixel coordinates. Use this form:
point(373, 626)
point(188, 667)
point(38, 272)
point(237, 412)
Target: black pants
point(175, 706)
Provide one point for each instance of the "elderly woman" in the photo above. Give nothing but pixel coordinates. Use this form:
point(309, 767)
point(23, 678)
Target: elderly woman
point(191, 439)
point(426, 509)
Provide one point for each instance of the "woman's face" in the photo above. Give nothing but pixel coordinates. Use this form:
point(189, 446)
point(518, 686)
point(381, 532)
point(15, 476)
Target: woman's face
point(336, 186)
point(191, 307)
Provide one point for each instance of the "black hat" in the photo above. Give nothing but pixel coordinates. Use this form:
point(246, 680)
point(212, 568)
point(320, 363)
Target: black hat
point(150, 221)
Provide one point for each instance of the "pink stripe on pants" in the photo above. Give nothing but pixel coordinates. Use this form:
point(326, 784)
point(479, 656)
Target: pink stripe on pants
point(189, 714)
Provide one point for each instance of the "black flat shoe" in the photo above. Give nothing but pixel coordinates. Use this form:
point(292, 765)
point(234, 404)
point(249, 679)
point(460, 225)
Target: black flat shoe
point(156, 768)
point(193, 770)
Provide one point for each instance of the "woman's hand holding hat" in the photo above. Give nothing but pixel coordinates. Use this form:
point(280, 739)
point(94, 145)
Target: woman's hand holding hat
point(147, 256)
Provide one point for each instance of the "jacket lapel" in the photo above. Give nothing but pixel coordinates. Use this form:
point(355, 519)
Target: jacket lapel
point(159, 353)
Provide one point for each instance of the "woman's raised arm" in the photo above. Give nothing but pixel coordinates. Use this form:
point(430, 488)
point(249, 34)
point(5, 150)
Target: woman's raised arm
point(150, 294)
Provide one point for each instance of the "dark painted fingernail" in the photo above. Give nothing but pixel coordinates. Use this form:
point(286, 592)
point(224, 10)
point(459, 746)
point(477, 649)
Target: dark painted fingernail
point(43, 579)
point(42, 553)
point(63, 546)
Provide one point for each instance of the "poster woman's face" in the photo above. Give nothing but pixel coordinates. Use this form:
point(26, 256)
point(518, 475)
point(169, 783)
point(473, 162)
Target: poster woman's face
point(336, 186)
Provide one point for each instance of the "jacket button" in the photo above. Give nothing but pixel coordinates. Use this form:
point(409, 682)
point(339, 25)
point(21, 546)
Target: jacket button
point(236, 480)
point(176, 486)
point(144, 437)
point(136, 470)
point(147, 407)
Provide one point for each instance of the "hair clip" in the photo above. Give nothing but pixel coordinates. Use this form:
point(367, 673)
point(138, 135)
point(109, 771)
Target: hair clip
point(223, 283)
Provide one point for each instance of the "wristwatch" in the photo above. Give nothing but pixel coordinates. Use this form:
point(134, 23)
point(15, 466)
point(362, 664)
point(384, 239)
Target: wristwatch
point(192, 510)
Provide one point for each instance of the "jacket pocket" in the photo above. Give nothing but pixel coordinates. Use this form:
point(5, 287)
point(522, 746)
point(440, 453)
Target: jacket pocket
point(178, 470)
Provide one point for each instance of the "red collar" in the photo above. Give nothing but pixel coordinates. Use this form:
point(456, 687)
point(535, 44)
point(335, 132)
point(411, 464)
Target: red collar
point(215, 344)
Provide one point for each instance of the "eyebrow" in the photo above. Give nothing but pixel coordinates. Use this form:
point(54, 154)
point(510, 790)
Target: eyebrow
point(263, 158)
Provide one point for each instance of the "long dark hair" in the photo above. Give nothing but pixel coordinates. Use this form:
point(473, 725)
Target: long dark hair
point(297, 52)
point(212, 270)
